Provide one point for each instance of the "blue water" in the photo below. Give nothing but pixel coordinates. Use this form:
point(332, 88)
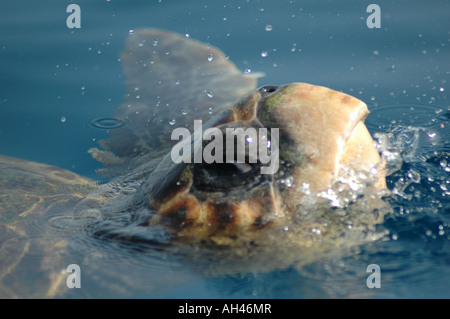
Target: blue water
point(54, 80)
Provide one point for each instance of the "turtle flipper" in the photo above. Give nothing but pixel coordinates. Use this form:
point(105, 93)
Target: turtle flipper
point(171, 80)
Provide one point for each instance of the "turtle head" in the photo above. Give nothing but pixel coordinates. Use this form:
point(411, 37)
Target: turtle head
point(244, 168)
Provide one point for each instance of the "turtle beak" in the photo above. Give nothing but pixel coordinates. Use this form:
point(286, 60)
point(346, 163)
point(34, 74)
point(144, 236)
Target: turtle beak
point(321, 131)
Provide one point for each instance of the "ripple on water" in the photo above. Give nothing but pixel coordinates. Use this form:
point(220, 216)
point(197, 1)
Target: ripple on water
point(107, 123)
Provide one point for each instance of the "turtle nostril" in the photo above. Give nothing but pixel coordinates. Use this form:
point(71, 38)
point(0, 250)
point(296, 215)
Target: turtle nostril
point(268, 89)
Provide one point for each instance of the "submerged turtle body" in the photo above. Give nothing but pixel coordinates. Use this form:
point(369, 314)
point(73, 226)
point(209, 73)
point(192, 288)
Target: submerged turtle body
point(315, 136)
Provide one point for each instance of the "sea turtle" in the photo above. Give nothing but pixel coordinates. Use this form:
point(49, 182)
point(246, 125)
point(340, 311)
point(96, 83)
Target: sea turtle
point(324, 192)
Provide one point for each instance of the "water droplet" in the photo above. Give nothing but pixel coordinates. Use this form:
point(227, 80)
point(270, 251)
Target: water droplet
point(264, 54)
point(209, 94)
point(155, 42)
point(269, 27)
point(210, 110)
point(177, 82)
point(248, 71)
point(184, 112)
point(131, 31)
point(172, 122)
point(210, 57)
point(441, 89)
point(63, 119)
point(431, 134)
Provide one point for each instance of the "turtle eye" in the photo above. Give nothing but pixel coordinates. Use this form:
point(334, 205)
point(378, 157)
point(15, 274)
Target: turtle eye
point(267, 89)
point(225, 176)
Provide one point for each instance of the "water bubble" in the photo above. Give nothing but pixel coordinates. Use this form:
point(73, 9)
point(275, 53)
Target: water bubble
point(210, 110)
point(210, 57)
point(155, 42)
point(269, 27)
point(209, 94)
point(264, 54)
point(184, 112)
point(172, 122)
point(131, 31)
point(248, 71)
point(63, 119)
